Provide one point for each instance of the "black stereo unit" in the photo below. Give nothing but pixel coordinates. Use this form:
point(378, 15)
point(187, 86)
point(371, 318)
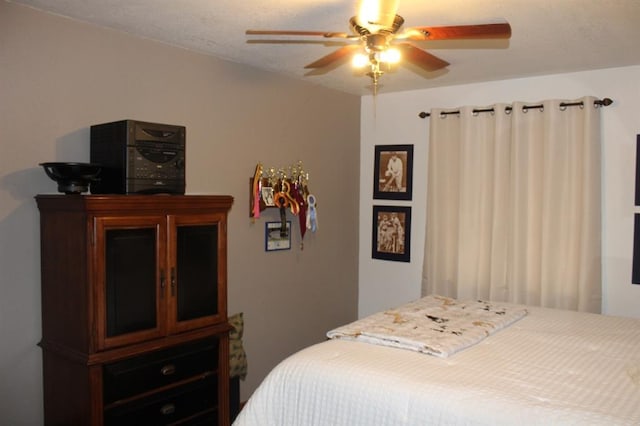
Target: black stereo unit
point(138, 158)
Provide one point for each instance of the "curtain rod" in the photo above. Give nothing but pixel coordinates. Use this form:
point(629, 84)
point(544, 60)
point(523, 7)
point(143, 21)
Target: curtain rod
point(596, 103)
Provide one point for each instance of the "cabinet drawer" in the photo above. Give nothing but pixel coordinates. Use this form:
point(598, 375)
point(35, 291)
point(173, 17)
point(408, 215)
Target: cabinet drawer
point(183, 405)
point(124, 379)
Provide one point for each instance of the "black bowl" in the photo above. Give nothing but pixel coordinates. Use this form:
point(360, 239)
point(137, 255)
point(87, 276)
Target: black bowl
point(72, 178)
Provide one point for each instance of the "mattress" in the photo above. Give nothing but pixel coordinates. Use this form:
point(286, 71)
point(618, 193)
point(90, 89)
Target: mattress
point(550, 367)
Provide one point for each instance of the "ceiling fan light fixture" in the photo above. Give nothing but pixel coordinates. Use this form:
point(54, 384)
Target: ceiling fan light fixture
point(390, 56)
point(360, 60)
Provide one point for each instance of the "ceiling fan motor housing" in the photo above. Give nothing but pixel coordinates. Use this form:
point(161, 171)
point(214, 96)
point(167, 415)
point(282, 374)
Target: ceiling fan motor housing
point(366, 28)
point(377, 42)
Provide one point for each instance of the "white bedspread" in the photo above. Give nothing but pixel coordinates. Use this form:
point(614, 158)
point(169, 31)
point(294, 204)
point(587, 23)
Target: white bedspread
point(434, 325)
point(550, 368)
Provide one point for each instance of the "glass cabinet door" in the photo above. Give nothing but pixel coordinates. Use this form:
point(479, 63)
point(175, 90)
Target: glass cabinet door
point(131, 279)
point(195, 270)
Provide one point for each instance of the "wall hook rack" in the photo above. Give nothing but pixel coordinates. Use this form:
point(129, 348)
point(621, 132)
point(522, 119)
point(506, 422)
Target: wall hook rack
point(287, 189)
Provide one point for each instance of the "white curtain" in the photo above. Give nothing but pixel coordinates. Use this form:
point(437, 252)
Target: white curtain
point(514, 205)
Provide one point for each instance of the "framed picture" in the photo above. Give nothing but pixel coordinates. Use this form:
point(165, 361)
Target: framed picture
point(391, 233)
point(635, 270)
point(637, 170)
point(277, 237)
point(393, 172)
point(267, 196)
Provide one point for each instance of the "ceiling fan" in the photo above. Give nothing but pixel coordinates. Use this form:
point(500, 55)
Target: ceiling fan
point(376, 39)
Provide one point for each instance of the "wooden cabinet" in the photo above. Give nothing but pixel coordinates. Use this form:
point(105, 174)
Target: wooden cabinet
point(134, 317)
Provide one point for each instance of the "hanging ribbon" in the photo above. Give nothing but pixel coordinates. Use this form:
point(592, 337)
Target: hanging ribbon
point(257, 189)
point(302, 205)
point(312, 215)
point(280, 198)
point(291, 201)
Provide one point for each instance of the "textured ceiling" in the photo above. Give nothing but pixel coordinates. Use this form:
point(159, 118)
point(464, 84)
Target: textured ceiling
point(548, 36)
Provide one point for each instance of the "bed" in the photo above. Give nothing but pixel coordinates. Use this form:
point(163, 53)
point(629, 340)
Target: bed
point(546, 367)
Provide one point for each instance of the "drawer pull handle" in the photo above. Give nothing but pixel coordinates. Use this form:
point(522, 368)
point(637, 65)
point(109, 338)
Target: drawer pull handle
point(168, 370)
point(167, 409)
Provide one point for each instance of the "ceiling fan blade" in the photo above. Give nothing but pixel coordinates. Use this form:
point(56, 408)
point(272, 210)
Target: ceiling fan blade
point(459, 32)
point(334, 56)
point(419, 57)
point(328, 43)
point(326, 34)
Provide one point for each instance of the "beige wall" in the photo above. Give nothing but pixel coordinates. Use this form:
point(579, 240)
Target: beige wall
point(58, 77)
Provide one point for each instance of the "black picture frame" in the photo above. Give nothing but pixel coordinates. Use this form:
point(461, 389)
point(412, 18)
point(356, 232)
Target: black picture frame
point(391, 233)
point(637, 198)
point(635, 268)
point(390, 160)
point(274, 237)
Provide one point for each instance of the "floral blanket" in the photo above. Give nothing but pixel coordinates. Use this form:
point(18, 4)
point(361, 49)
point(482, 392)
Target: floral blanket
point(435, 325)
